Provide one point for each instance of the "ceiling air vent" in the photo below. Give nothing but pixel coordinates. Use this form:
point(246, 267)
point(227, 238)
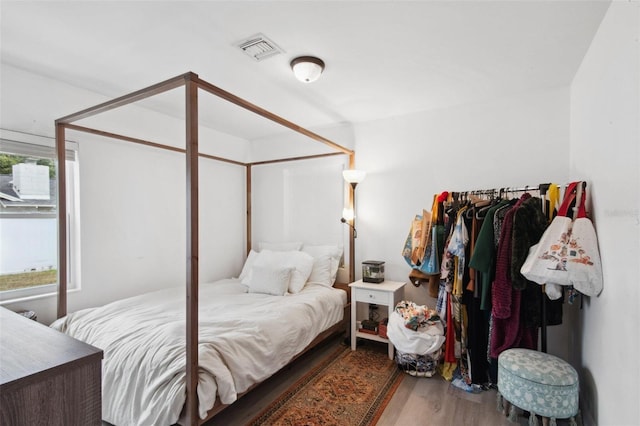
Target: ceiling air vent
point(259, 47)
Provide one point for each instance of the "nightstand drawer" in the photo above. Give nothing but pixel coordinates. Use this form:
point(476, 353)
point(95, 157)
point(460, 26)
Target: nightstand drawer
point(372, 296)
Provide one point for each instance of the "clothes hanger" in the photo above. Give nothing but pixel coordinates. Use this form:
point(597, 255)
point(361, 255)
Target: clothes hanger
point(482, 202)
point(455, 196)
point(481, 212)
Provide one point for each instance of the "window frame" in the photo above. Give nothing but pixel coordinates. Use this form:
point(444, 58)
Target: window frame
point(27, 144)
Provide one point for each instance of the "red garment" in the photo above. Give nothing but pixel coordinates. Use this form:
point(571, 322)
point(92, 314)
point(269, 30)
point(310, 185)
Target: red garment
point(450, 342)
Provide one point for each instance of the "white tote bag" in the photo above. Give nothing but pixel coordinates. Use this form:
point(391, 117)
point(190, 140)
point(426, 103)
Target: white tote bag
point(547, 260)
point(567, 253)
point(584, 266)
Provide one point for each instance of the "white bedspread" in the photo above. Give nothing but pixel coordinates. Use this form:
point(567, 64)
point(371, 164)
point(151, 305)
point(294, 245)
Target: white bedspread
point(244, 338)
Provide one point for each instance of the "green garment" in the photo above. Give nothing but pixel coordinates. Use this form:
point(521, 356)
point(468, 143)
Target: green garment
point(483, 258)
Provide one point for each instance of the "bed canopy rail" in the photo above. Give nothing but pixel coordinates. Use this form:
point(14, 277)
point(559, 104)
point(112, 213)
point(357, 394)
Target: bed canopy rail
point(147, 143)
point(192, 83)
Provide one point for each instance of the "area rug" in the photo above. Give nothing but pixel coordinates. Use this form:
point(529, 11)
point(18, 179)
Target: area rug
point(348, 388)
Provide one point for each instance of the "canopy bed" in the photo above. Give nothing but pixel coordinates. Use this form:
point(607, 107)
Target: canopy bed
point(212, 294)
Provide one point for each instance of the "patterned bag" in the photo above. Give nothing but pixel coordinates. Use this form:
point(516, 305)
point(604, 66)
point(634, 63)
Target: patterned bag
point(425, 243)
point(546, 261)
point(567, 253)
point(584, 266)
point(417, 240)
point(435, 247)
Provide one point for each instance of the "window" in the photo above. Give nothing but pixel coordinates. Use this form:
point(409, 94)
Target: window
point(28, 216)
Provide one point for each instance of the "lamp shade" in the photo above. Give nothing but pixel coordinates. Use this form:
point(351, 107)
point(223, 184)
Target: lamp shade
point(354, 176)
point(347, 214)
point(307, 69)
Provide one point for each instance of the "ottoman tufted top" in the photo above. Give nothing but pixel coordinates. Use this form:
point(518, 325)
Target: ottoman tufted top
point(538, 367)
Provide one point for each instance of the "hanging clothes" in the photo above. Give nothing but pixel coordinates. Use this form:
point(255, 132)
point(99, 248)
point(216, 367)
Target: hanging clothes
point(477, 320)
point(457, 247)
point(487, 305)
point(483, 257)
point(529, 223)
point(447, 267)
point(505, 302)
point(528, 226)
point(502, 289)
point(516, 301)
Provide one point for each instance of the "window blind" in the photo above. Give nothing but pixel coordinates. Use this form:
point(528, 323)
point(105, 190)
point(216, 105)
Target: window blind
point(27, 149)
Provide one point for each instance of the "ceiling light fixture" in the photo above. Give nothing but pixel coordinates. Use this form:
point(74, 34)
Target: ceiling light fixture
point(307, 69)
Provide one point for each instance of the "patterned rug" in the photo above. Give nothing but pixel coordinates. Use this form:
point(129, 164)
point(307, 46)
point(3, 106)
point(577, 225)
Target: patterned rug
point(348, 388)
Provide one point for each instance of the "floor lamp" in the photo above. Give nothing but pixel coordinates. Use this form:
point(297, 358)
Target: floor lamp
point(353, 178)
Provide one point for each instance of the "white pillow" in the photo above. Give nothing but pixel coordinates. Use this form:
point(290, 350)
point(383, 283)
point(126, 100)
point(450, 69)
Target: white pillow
point(300, 263)
point(268, 280)
point(251, 258)
point(334, 252)
point(279, 246)
point(321, 272)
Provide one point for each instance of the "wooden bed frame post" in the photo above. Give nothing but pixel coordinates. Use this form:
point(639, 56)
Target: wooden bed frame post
point(191, 98)
point(248, 185)
point(61, 174)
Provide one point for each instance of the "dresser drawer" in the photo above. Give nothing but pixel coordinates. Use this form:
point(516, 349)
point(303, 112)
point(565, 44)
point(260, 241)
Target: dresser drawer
point(372, 296)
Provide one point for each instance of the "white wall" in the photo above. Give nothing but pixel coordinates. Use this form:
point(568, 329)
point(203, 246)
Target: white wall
point(289, 144)
point(132, 198)
point(133, 220)
point(523, 140)
point(300, 201)
point(604, 149)
point(514, 142)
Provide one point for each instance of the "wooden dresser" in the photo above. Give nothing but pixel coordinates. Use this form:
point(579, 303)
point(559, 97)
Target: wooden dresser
point(47, 377)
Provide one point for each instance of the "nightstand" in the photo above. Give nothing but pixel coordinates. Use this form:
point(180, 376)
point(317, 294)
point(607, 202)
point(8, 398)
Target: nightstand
point(387, 293)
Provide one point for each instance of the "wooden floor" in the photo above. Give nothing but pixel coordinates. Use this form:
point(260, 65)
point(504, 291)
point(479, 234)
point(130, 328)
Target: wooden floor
point(417, 401)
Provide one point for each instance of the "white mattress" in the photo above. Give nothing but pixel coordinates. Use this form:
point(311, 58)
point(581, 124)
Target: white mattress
point(244, 338)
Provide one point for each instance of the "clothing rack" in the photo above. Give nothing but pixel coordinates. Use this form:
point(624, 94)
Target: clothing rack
point(499, 192)
point(543, 187)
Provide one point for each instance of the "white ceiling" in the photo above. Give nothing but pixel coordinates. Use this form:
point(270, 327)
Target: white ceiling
point(383, 58)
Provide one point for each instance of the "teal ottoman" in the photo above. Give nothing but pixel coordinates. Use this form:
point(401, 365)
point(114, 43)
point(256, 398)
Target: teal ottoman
point(540, 383)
